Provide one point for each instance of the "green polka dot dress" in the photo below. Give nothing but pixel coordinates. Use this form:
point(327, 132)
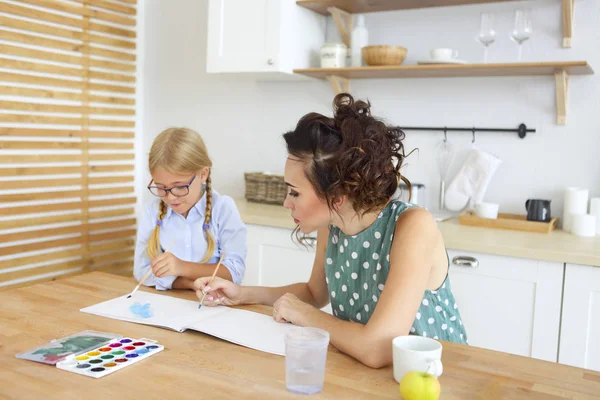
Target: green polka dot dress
point(357, 267)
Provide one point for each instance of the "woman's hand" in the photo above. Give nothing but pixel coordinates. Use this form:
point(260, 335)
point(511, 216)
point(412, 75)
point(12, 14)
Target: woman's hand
point(220, 292)
point(289, 308)
point(166, 264)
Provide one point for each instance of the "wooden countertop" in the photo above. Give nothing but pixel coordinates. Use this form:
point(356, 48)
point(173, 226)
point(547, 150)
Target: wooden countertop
point(557, 246)
point(194, 365)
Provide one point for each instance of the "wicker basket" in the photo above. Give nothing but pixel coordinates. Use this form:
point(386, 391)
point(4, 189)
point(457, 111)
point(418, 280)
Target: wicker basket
point(383, 55)
point(265, 188)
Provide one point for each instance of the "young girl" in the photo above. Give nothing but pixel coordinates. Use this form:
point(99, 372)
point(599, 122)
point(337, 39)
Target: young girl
point(193, 221)
point(380, 262)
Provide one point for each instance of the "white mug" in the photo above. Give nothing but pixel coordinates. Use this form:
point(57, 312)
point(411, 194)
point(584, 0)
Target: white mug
point(486, 210)
point(416, 353)
point(443, 54)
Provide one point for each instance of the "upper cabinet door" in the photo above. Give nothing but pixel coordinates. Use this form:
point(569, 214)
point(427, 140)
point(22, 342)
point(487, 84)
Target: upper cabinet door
point(580, 327)
point(242, 35)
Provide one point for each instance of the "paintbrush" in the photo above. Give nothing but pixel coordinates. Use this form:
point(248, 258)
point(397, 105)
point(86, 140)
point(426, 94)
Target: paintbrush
point(211, 279)
point(148, 273)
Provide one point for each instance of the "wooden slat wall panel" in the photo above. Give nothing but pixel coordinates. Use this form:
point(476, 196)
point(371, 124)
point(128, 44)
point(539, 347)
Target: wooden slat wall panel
point(18, 51)
point(66, 187)
point(60, 95)
point(49, 244)
point(63, 83)
point(29, 145)
point(47, 183)
point(37, 14)
point(83, 11)
point(29, 26)
point(65, 230)
point(71, 72)
point(107, 5)
point(39, 221)
point(55, 108)
point(20, 132)
point(74, 47)
point(11, 198)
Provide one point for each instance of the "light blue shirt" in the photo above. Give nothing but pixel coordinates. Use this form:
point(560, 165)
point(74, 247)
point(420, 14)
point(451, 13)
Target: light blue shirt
point(190, 244)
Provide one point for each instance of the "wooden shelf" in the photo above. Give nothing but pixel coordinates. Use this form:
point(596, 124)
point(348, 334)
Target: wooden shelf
point(560, 70)
point(451, 70)
point(362, 6)
point(345, 9)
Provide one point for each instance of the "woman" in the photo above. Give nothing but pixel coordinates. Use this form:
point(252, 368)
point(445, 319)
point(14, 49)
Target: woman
point(380, 262)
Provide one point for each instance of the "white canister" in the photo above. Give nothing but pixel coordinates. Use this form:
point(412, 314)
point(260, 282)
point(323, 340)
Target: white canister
point(333, 55)
point(583, 225)
point(576, 200)
point(595, 210)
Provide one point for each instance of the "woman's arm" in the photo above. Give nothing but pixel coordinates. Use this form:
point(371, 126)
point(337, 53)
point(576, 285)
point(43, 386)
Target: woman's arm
point(313, 292)
point(411, 258)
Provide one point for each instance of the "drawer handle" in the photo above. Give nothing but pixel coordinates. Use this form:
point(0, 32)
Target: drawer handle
point(464, 261)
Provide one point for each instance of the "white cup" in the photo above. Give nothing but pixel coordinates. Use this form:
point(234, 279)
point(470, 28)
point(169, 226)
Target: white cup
point(416, 353)
point(487, 210)
point(441, 54)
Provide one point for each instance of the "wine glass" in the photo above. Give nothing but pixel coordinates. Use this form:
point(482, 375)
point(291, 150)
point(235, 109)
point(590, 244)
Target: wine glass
point(522, 29)
point(487, 34)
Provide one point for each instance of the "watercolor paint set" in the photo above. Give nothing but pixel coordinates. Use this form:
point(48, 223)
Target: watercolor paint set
point(92, 353)
point(114, 356)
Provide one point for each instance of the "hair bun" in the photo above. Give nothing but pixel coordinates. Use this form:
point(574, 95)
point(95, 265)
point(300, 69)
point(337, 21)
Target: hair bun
point(345, 108)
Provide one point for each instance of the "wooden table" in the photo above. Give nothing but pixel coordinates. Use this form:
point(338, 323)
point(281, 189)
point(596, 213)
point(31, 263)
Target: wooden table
point(194, 365)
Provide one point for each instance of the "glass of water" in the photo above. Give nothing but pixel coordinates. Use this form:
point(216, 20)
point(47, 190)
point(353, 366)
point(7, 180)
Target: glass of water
point(305, 359)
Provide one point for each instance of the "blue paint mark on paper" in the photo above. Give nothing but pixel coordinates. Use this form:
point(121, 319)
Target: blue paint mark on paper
point(141, 310)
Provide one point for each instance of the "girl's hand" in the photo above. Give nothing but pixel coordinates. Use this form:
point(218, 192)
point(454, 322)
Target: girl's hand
point(289, 308)
point(220, 292)
point(166, 264)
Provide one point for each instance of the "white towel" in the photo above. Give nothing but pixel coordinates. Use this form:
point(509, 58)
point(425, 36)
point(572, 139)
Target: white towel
point(470, 184)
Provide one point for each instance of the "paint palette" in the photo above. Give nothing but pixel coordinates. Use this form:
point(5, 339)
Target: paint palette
point(115, 355)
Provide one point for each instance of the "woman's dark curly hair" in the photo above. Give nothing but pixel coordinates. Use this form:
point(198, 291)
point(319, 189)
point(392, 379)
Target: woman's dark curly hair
point(352, 154)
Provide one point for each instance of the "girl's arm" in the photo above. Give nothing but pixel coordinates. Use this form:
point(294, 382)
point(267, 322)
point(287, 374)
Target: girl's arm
point(192, 271)
point(183, 283)
point(411, 258)
point(142, 263)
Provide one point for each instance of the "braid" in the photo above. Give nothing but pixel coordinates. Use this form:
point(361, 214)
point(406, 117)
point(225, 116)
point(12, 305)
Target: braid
point(210, 240)
point(154, 241)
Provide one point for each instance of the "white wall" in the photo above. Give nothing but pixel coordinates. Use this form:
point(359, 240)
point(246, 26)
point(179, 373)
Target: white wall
point(242, 120)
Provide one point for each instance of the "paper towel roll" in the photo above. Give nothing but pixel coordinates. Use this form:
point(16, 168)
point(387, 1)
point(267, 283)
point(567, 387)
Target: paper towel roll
point(595, 210)
point(584, 225)
point(576, 200)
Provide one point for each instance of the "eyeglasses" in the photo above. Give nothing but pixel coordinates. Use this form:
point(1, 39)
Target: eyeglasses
point(177, 191)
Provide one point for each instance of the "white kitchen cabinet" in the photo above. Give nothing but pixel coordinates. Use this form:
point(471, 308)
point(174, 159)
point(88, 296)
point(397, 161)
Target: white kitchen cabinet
point(262, 36)
point(275, 260)
point(509, 304)
point(580, 327)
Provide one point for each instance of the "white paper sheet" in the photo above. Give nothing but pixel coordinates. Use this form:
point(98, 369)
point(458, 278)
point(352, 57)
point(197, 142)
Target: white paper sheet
point(246, 328)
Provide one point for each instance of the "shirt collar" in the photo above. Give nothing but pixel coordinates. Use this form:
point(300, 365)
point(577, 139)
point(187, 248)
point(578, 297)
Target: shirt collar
point(199, 207)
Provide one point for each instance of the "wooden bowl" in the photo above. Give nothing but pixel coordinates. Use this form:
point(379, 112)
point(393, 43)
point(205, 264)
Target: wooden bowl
point(383, 55)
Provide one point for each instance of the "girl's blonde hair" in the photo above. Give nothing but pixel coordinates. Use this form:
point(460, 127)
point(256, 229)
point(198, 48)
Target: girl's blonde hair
point(181, 150)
